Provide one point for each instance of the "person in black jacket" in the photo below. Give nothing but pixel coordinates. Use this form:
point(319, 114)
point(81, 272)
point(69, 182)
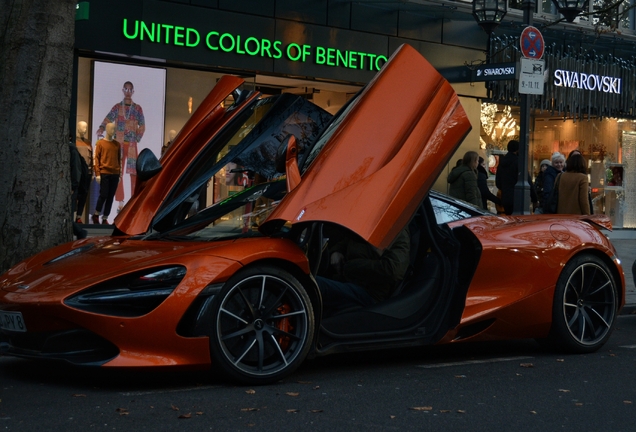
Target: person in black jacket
point(507, 176)
point(76, 176)
point(482, 184)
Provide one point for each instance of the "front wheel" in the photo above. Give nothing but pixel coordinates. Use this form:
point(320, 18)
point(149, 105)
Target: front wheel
point(262, 325)
point(585, 306)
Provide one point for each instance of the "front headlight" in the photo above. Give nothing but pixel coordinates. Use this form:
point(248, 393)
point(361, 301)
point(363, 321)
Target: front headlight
point(131, 295)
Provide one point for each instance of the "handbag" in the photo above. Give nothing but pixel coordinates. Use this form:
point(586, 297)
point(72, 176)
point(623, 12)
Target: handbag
point(552, 204)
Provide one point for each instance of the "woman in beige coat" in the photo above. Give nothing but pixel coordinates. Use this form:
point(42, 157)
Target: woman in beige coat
point(573, 187)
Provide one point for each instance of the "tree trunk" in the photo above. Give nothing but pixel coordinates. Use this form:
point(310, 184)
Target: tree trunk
point(36, 48)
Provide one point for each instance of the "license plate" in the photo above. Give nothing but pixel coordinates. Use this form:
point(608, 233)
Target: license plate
point(12, 321)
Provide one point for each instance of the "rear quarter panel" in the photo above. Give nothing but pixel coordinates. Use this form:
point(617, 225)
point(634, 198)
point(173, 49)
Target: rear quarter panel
point(518, 271)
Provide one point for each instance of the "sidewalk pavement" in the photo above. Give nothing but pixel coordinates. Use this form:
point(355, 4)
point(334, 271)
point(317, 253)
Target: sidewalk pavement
point(624, 240)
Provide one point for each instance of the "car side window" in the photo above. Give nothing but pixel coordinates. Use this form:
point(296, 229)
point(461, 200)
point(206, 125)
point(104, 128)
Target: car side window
point(447, 212)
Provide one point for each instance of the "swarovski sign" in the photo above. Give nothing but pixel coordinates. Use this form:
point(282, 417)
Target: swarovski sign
point(606, 84)
point(496, 71)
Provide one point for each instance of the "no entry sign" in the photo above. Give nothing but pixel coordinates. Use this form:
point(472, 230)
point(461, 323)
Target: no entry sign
point(532, 44)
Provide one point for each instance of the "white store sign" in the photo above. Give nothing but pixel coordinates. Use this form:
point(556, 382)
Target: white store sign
point(606, 84)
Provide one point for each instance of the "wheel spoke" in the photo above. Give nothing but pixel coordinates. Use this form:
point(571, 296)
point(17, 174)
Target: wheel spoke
point(238, 333)
point(287, 315)
point(247, 302)
point(574, 318)
point(261, 350)
point(238, 360)
point(280, 352)
point(260, 300)
point(284, 333)
point(599, 288)
point(268, 312)
point(599, 317)
point(582, 320)
point(234, 316)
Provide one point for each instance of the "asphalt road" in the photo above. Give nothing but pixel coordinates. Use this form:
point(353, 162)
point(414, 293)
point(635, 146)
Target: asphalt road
point(509, 386)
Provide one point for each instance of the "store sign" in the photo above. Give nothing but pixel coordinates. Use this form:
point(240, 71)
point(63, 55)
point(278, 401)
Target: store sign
point(188, 37)
point(606, 84)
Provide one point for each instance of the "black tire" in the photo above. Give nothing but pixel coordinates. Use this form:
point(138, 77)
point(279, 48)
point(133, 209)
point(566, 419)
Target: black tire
point(585, 306)
point(262, 325)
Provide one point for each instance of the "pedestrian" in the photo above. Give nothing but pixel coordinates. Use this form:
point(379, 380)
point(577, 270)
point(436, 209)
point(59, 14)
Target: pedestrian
point(574, 187)
point(107, 172)
point(508, 175)
point(482, 183)
point(463, 180)
point(539, 183)
point(76, 174)
point(549, 177)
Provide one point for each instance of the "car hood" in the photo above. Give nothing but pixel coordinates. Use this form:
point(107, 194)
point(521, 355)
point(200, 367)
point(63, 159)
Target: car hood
point(382, 153)
point(79, 264)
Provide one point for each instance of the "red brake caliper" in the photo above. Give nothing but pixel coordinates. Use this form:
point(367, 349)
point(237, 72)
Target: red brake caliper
point(284, 325)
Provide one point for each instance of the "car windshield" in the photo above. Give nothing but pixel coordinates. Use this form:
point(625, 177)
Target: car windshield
point(233, 185)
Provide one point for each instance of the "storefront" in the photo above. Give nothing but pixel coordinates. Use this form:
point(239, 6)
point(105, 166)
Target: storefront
point(588, 104)
point(171, 53)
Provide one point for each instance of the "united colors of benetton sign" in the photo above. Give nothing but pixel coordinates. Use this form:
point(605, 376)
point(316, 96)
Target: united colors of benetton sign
point(188, 37)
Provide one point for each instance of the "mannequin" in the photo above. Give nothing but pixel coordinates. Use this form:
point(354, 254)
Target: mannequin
point(86, 152)
point(107, 172)
point(171, 135)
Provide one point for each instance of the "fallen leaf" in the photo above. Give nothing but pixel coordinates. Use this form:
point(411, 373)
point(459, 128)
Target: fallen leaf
point(174, 408)
point(249, 409)
point(293, 410)
point(461, 411)
point(564, 391)
point(250, 391)
point(392, 417)
point(316, 388)
point(199, 412)
point(79, 395)
point(122, 411)
point(627, 402)
point(560, 360)
point(316, 411)
point(185, 416)
point(612, 355)
point(533, 412)
point(444, 411)
point(294, 394)
point(422, 408)
point(526, 365)
point(251, 424)
point(460, 376)
point(578, 404)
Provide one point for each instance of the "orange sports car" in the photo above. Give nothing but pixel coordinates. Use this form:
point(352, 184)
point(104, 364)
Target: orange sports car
point(215, 260)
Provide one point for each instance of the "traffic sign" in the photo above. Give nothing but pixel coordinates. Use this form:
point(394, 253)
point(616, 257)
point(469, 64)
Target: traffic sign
point(531, 76)
point(532, 44)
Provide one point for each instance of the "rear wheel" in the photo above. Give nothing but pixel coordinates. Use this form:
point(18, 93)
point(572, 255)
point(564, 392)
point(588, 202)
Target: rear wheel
point(585, 306)
point(262, 325)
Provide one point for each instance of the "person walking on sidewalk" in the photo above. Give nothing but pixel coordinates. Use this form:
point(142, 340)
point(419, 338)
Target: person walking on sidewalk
point(107, 172)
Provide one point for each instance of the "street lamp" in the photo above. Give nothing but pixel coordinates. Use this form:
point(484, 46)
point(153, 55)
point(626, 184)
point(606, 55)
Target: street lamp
point(489, 13)
point(570, 8)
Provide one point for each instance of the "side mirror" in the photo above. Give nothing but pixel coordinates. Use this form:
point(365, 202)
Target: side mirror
point(287, 161)
point(147, 165)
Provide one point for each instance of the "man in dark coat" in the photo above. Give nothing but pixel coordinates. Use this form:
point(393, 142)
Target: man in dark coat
point(507, 176)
